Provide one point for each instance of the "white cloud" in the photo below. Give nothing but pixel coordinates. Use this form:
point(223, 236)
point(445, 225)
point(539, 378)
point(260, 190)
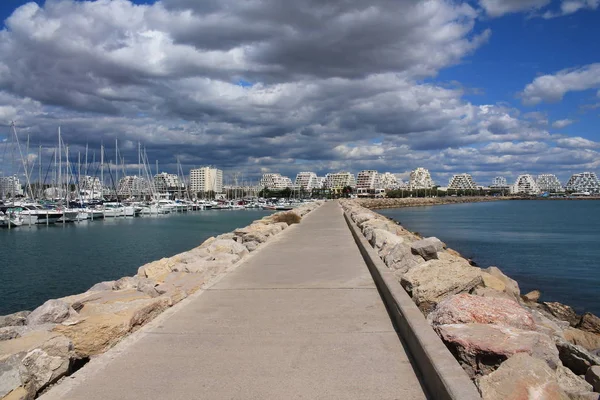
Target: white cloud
point(552, 88)
point(561, 123)
point(497, 8)
point(568, 7)
point(577, 143)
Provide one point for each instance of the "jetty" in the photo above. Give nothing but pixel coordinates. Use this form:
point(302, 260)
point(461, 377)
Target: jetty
point(302, 318)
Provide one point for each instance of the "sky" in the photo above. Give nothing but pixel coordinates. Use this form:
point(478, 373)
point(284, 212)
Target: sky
point(487, 87)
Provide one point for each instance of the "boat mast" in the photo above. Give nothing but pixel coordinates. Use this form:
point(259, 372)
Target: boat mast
point(116, 165)
point(22, 159)
point(101, 170)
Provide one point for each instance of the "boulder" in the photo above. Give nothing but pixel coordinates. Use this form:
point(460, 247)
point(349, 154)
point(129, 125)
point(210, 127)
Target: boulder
point(401, 259)
point(521, 377)
point(251, 246)
point(465, 308)
point(106, 324)
point(179, 285)
point(19, 393)
point(561, 312)
point(228, 247)
point(16, 319)
point(126, 282)
point(46, 365)
point(587, 340)
point(380, 237)
point(428, 248)
point(431, 282)
point(226, 236)
point(574, 357)
point(590, 323)
point(532, 296)
point(511, 286)
point(552, 328)
point(361, 217)
point(51, 312)
point(254, 237)
point(10, 373)
point(157, 270)
point(491, 282)
point(481, 348)
point(571, 383)
point(592, 376)
point(225, 258)
point(488, 292)
point(101, 286)
point(147, 286)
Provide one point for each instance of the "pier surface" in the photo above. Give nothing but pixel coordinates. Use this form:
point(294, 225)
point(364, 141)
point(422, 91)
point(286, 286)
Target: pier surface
point(300, 319)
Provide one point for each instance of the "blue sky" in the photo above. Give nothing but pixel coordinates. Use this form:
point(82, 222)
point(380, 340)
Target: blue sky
point(489, 87)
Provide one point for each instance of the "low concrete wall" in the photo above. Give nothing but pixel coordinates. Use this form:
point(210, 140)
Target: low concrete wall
point(443, 377)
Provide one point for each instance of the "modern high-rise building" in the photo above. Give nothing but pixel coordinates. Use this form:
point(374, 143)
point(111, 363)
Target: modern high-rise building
point(525, 184)
point(339, 180)
point(165, 182)
point(206, 179)
point(389, 181)
point(499, 182)
point(273, 181)
point(10, 186)
point(367, 180)
point(462, 182)
point(585, 182)
point(549, 183)
point(133, 186)
point(306, 181)
point(420, 179)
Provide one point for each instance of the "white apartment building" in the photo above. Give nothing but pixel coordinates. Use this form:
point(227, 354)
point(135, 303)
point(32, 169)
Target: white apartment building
point(339, 180)
point(525, 184)
point(273, 181)
point(10, 186)
point(549, 183)
point(320, 182)
point(367, 179)
point(133, 185)
point(206, 179)
point(585, 182)
point(389, 181)
point(420, 179)
point(499, 182)
point(165, 182)
point(462, 182)
point(90, 183)
point(306, 181)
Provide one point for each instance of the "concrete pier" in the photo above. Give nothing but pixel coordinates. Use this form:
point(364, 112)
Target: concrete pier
point(300, 319)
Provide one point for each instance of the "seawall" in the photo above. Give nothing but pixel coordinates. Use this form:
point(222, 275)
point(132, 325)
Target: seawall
point(39, 348)
point(507, 343)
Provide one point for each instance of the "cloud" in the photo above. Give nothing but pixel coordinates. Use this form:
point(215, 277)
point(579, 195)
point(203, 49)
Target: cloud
point(552, 88)
point(568, 7)
point(577, 143)
point(497, 8)
point(561, 123)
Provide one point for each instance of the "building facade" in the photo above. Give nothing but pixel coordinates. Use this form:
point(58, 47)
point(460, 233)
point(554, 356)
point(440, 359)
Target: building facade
point(585, 182)
point(420, 179)
point(306, 181)
point(133, 186)
point(389, 181)
point(462, 182)
point(367, 180)
point(525, 184)
point(499, 182)
point(165, 182)
point(339, 180)
point(206, 179)
point(549, 183)
point(273, 181)
point(10, 186)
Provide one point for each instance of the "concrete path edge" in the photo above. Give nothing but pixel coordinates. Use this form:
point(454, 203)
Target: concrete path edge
point(441, 374)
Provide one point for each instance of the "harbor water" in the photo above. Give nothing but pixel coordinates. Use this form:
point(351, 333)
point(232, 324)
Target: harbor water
point(41, 263)
point(553, 246)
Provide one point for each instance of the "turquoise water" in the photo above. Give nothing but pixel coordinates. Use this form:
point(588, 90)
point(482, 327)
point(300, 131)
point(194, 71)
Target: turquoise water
point(553, 246)
point(40, 263)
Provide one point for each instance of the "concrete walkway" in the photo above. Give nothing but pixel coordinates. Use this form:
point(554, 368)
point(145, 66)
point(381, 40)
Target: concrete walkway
point(300, 319)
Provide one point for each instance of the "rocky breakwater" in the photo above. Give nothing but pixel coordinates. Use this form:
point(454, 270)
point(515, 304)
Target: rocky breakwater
point(512, 346)
point(424, 201)
point(38, 348)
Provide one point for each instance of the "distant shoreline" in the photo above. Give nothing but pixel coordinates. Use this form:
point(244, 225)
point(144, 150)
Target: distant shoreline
point(433, 201)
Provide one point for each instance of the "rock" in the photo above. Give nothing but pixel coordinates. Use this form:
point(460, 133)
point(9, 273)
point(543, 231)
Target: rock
point(379, 237)
point(562, 312)
point(10, 375)
point(401, 259)
point(465, 308)
point(16, 319)
point(431, 282)
point(571, 383)
point(251, 246)
point(101, 286)
point(225, 258)
point(587, 340)
point(52, 311)
point(226, 236)
point(590, 323)
point(46, 365)
point(488, 292)
point(107, 324)
point(126, 282)
point(511, 286)
point(521, 377)
point(574, 357)
point(254, 237)
point(428, 248)
point(147, 286)
point(481, 348)
point(179, 285)
point(228, 247)
point(157, 270)
point(532, 296)
point(359, 218)
point(490, 281)
point(19, 393)
point(592, 376)
point(548, 326)
point(369, 226)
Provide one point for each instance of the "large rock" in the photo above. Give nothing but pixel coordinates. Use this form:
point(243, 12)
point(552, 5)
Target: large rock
point(521, 377)
point(593, 377)
point(401, 259)
point(52, 311)
point(552, 328)
point(106, 324)
point(101, 286)
point(511, 286)
point(157, 270)
point(532, 296)
point(465, 308)
point(179, 285)
point(228, 247)
point(428, 248)
point(561, 312)
point(254, 237)
point(571, 383)
point(587, 340)
point(589, 322)
point(481, 348)
point(380, 237)
point(431, 282)
point(46, 365)
point(251, 246)
point(574, 357)
point(16, 319)
point(491, 282)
